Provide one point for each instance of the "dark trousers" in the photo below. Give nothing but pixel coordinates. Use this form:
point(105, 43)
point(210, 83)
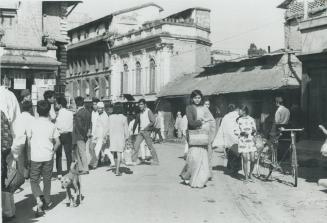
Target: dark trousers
point(234, 162)
point(43, 169)
point(144, 135)
point(66, 142)
point(157, 131)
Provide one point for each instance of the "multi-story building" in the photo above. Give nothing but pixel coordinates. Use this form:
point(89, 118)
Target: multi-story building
point(136, 52)
point(33, 38)
point(306, 31)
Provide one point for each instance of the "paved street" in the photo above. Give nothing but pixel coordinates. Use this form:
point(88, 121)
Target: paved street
point(154, 194)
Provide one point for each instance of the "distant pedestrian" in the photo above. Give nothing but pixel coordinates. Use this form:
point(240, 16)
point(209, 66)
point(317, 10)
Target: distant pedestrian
point(146, 121)
point(81, 132)
point(100, 132)
point(157, 128)
point(64, 124)
point(50, 97)
point(44, 141)
point(196, 171)
point(246, 146)
point(92, 141)
point(211, 138)
point(184, 134)
point(24, 122)
point(282, 115)
point(178, 124)
point(118, 133)
point(26, 96)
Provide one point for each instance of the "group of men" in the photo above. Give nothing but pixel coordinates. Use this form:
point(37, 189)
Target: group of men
point(31, 137)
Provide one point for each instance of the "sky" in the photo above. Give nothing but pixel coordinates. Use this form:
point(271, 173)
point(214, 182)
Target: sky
point(235, 24)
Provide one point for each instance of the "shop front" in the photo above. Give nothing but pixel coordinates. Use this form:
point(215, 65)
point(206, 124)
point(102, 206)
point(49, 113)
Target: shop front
point(36, 73)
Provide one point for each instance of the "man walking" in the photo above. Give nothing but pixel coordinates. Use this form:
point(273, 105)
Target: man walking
point(64, 124)
point(146, 121)
point(81, 131)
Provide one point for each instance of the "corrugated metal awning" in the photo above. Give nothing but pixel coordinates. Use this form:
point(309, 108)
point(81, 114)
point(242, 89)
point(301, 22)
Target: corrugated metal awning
point(243, 80)
point(29, 62)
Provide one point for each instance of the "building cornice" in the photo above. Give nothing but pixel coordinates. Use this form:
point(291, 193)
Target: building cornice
point(156, 38)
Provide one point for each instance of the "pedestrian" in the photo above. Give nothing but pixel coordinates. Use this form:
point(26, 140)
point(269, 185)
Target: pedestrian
point(246, 146)
point(227, 140)
point(92, 141)
point(64, 124)
point(10, 111)
point(196, 171)
point(43, 138)
point(282, 115)
point(118, 133)
point(81, 132)
point(184, 135)
point(211, 138)
point(100, 132)
point(26, 96)
point(178, 124)
point(49, 96)
point(24, 122)
point(157, 128)
point(146, 121)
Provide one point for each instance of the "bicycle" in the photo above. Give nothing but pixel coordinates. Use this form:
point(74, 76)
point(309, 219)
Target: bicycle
point(267, 160)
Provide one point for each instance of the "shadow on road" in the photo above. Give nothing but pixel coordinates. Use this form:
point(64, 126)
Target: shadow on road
point(226, 171)
point(24, 211)
point(124, 170)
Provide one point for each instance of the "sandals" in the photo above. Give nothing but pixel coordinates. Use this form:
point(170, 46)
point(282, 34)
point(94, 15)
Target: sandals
point(39, 210)
point(118, 174)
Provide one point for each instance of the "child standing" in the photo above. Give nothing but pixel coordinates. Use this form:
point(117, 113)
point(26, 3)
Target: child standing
point(43, 139)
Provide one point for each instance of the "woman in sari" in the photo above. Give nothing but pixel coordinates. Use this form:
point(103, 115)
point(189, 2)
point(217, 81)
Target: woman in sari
point(196, 171)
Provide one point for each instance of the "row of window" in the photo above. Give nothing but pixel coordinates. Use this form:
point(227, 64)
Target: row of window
point(138, 78)
point(93, 87)
point(96, 61)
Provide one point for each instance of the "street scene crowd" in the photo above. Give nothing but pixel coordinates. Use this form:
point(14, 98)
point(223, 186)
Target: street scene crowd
point(129, 112)
point(30, 145)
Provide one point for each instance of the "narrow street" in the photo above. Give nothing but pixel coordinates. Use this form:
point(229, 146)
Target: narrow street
point(154, 194)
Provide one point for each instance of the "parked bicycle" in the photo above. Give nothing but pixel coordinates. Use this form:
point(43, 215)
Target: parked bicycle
point(268, 161)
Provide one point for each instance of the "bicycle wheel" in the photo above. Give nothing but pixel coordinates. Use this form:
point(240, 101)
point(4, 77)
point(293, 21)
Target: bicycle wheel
point(264, 165)
point(294, 166)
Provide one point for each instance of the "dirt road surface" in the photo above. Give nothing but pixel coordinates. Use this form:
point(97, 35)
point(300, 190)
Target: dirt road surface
point(155, 194)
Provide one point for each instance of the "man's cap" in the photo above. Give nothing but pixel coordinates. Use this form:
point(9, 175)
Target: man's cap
point(25, 93)
point(100, 104)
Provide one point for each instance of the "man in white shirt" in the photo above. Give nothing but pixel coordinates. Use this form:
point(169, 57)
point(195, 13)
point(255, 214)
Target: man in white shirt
point(43, 139)
point(100, 133)
point(50, 97)
point(282, 115)
point(64, 124)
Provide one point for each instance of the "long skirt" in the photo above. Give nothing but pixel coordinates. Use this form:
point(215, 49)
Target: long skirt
point(196, 169)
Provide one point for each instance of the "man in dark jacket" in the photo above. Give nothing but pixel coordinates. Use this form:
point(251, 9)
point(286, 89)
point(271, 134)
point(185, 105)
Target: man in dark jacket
point(145, 120)
point(81, 131)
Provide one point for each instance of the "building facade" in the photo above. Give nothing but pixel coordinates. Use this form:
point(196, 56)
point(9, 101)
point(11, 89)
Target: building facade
point(135, 52)
point(306, 31)
point(33, 38)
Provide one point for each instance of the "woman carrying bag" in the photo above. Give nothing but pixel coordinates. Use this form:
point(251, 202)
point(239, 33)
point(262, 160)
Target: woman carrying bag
point(196, 171)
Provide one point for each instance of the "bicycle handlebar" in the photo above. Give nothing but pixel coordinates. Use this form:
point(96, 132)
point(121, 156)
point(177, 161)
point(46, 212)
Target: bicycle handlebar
point(291, 130)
